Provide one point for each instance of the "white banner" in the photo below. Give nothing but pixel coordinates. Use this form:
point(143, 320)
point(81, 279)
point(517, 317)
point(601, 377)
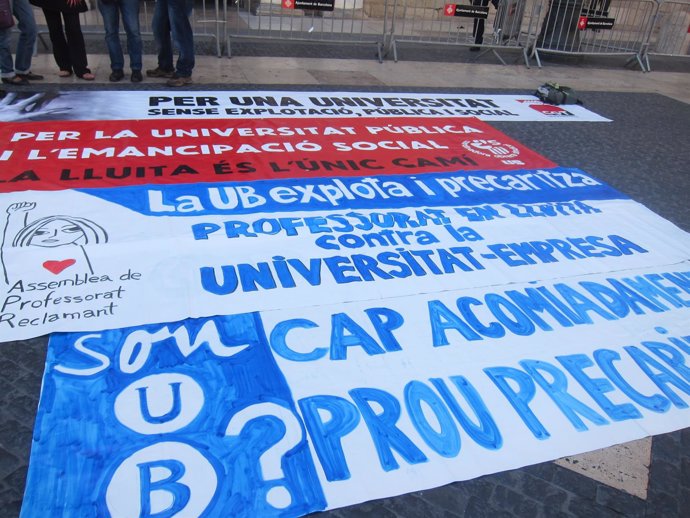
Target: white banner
point(285, 412)
point(241, 104)
point(92, 259)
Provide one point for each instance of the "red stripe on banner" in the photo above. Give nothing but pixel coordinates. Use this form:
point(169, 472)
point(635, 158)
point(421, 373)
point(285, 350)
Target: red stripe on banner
point(79, 154)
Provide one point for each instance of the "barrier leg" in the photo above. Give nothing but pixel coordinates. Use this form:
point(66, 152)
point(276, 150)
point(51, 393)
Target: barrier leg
point(486, 52)
point(391, 46)
point(636, 59)
point(43, 41)
point(536, 56)
point(645, 58)
point(498, 56)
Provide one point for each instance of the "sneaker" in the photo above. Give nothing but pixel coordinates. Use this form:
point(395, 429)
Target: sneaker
point(116, 75)
point(30, 76)
point(159, 72)
point(179, 80)
point(136, 76)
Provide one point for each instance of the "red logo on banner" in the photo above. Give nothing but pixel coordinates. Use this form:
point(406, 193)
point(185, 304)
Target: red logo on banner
point(582, 24)
point(449, 10)
point(550, 110)
point(288, 4)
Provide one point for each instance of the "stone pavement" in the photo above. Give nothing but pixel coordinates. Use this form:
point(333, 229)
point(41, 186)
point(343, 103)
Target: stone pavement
point(644, 153)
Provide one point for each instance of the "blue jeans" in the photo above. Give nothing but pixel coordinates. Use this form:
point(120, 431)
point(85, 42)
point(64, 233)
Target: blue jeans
point(130, 19)
point(25, 45)
point(171, 25)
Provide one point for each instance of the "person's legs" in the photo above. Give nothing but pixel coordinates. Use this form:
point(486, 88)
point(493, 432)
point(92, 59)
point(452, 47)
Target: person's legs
point(75, 41)
point(111, 24)
point(478, 26)
point(161, 34)
point(179, 12)
point(27, 35)
point(6, 64)
point(57, 39)
point(130, 19)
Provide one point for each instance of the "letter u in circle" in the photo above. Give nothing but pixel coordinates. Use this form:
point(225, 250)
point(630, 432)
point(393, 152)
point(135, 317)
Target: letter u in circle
point(170, 415)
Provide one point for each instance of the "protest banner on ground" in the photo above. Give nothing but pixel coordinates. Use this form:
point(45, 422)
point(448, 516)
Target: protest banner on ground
point(73, 155)
point(386, 309)
point(106, 258)
point(285, 412)
point(248, 104)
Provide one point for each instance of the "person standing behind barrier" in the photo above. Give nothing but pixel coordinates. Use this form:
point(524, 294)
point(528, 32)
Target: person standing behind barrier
point(19, 71)
point(111, 11)
point(69, 49)
point(171, 18)
point(478, 27)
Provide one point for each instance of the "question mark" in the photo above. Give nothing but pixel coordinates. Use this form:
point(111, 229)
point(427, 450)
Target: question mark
point(270, 461)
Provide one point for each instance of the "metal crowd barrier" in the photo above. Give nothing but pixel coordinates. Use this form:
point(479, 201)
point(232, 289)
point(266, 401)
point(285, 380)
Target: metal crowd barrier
point(670, 33)
point(310, 21)
point(593, 27)
point(476, 25)
point(637, 29)
point(206, 21)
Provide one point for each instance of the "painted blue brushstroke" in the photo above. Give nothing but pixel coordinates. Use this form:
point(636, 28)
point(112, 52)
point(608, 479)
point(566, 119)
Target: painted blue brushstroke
point(79, 442)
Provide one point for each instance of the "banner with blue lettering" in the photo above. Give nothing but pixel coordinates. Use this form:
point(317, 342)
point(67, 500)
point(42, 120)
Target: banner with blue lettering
point(194, 419)
point(284, 412)
point(93, 258)
point(275, 303)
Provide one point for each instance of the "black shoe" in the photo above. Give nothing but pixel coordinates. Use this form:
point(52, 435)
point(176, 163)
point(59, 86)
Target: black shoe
point(159, 72)
point(475, 49)
point(15, 80)
point(30, 76)
point(116, 75)
point(136, 76)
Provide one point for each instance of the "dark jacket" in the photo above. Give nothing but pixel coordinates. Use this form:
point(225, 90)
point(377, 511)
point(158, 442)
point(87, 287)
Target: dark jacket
point(60, 5)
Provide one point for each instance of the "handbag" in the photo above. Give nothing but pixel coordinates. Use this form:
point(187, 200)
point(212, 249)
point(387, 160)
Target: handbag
point(6, 18)
point(553, 93)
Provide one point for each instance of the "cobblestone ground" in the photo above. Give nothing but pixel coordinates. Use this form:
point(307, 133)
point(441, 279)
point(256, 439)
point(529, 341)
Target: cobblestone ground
point(643, 153)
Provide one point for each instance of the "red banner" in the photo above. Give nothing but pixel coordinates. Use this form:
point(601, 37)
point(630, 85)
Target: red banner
point(79, 154)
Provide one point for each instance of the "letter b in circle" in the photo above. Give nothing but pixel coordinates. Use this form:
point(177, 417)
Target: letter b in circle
point(164, 480)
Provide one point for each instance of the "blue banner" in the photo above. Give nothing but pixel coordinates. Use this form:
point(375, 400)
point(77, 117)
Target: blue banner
point(160, 419)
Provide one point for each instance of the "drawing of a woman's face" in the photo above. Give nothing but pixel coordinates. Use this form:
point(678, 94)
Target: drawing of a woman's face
point(58, 232)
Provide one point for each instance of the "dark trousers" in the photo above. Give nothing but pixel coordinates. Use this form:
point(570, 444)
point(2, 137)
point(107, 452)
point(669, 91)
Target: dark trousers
point(68, 42)
point(478, 27)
